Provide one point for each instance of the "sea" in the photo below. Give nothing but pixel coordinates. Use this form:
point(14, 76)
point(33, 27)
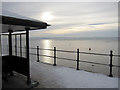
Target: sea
point(97, 45)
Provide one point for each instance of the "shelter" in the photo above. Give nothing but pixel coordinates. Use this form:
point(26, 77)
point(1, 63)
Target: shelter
point(12, 62)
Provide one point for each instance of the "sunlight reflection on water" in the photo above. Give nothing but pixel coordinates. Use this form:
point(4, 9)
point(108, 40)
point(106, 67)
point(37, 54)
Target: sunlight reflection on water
point(47, 45)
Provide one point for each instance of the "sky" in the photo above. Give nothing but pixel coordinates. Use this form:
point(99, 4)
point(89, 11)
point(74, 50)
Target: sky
point(70, 19)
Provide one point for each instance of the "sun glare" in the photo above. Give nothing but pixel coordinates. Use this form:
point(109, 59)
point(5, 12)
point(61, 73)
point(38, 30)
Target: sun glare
point(47, 16)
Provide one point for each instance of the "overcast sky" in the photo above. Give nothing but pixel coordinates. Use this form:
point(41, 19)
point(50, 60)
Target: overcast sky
point(70, 19)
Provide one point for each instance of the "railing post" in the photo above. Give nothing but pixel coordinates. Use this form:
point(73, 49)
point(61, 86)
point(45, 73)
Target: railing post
point(54, 56)
point(77, 59)
point(37, 53)
point(111, 55)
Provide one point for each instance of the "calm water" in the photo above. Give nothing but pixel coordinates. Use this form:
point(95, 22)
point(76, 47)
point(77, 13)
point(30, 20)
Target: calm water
point(97, 45)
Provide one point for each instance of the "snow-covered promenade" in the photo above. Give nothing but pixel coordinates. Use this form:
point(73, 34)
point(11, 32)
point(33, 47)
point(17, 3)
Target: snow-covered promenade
point(62, 77)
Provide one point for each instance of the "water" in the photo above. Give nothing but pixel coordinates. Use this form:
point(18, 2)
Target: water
point(102, 45)
point(97, 45)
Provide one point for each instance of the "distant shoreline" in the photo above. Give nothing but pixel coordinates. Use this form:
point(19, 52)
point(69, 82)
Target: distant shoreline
point(77, 38)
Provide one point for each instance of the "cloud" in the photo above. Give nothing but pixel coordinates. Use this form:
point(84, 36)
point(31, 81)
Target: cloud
point(70, 18)
point(97, 23)
point(77, 29)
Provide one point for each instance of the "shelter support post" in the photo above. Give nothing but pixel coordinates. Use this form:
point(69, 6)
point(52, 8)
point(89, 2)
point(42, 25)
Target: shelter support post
point(10, 47)
point(10, 42)
point(28, 61)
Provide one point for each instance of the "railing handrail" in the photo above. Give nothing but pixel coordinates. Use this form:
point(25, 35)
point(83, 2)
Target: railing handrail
point(78, 60)
point(70, 51)
point(71, 59)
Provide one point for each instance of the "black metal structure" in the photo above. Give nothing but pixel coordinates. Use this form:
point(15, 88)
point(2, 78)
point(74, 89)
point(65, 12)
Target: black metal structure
point(27, 50)
point(13, 62)
point(77, 60)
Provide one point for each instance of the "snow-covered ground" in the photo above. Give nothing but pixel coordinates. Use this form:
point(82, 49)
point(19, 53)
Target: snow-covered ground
point(62, 77)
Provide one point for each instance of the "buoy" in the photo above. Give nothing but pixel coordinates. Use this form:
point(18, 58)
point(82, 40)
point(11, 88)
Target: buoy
point(89, 48)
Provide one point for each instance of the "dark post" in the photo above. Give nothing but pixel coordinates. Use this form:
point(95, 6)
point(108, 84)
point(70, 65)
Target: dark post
point(27, 50)
point(111, 55)
point(8, 45)
point(10, 42)
point(77, 59)
point(20, 46)
point(16, 45)
point(54, 56)
point(10, 48)
point(37, 53)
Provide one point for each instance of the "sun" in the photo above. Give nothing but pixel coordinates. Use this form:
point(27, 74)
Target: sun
point(47, 16)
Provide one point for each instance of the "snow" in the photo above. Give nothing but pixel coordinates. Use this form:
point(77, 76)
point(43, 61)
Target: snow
point(62, 77)
point(13, 14)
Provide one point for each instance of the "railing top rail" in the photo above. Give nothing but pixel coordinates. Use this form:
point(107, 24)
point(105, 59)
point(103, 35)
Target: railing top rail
point(67, 51)
point(3, 34)
point(94, 53)
point(85, 61)
point(46, 49)
point(18, 33)
point(32, 48)
point(72, 51)
point(117, 55)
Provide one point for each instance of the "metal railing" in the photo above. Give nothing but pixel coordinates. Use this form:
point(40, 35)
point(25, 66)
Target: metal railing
point(77, 60)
